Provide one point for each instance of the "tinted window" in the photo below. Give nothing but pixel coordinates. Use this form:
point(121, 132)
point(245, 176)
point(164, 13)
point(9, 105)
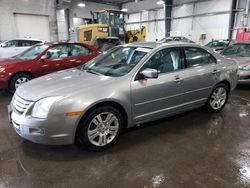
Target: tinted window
point(197, 57)
point(23, 43)
point(76, 50)
point(35, 42)
point(166, 60)
point(58, 52)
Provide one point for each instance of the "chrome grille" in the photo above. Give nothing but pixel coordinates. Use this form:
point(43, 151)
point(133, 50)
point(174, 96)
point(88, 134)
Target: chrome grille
point(19, 104)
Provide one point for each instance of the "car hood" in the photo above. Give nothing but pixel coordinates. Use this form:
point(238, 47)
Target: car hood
point(62, 83)
point(240, 60)
point(9, 61)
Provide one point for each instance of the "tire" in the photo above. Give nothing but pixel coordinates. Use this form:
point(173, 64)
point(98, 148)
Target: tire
point(218, 98)
point(18, 80)
point(94, 133)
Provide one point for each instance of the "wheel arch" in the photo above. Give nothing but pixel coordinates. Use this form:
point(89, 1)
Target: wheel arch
point(114, 104)
point(227, 83)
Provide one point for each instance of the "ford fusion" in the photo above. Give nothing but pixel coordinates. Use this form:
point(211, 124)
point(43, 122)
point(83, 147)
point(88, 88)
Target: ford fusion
point(125, 86)
point(240, 52)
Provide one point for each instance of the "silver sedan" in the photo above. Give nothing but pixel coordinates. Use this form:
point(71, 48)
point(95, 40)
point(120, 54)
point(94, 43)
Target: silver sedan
point(240, 52)
point(126, 86)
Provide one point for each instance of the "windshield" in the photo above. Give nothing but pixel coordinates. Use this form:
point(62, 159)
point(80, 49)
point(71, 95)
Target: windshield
point(32, 52)
point(117, 62)
point(242, 50)
point(218, 43)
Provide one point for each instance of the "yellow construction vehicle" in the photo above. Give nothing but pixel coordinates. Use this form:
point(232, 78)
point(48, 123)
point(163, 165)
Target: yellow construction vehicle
point(109, 31)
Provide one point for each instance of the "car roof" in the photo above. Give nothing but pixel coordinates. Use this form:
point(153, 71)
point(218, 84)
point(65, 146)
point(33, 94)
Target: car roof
point(31, 39)
point(158, 44)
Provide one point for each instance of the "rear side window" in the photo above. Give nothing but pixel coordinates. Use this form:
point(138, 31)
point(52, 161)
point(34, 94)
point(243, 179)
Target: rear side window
point(35, 42)
point(197, 57)
point(24, 43)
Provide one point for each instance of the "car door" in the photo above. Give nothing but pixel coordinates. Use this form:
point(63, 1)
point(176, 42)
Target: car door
point(199, 76)
point(80, 54)
point(57, 59)
point(154, 98)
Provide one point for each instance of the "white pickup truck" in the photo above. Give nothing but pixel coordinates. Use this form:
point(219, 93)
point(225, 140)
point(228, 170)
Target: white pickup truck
point(10, 48)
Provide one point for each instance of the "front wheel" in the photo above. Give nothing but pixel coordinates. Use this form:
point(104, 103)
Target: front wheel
point(18, 80)
point(218, 98)
point(100, 128)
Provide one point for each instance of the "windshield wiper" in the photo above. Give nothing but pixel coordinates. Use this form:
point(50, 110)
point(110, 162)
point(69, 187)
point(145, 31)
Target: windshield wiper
point(92, 71)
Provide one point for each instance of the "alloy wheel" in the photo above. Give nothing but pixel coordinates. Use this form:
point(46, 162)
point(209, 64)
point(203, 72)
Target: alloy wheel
point(218, 98)
point(21, 81)
point(103, 129)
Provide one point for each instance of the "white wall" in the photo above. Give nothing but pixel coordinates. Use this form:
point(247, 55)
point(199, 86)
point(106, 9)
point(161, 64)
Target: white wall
point(84, 12)
point(8, 8)
point(207, 21)
point(155, 29)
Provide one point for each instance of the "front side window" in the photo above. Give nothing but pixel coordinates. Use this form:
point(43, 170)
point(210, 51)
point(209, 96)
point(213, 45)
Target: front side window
point(197, 57)
point(76, 50)
point(58, 52)
point(12, 43)
point(32, 52)
point(116, 19)
point(237, 50)
point(118, 61)
point(167, 60)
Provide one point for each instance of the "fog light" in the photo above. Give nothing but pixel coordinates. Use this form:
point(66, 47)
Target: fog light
point(36, 131)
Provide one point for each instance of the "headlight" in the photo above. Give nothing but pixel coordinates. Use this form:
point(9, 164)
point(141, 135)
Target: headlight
point(42, 107)
point(2, 69)
point(245, 67)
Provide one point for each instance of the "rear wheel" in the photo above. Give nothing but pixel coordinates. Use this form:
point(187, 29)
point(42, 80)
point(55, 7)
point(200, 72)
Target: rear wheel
point(100, 128)
point(218, 98)
point(18, 80)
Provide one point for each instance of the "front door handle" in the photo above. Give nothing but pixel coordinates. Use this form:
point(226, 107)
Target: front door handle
point(178, 79)
point(215, 71)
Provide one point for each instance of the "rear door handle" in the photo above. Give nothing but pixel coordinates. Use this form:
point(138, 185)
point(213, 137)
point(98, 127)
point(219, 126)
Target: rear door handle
point(215, 71)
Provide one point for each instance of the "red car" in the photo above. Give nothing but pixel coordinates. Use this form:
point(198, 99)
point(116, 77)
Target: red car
point(42, 59)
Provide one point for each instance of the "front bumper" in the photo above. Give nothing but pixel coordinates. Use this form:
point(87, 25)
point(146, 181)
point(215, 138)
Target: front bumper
point(57, 130)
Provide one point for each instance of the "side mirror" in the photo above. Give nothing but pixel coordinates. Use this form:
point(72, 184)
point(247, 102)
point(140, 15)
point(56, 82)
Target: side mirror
point(149, 73)
point(44, 57)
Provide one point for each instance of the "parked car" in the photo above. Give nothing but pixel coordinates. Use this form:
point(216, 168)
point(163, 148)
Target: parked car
point(219, 45)
point(10, 48)
point(176, 38)
point(240, 52)
point(128, 85)
point(42, 59)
